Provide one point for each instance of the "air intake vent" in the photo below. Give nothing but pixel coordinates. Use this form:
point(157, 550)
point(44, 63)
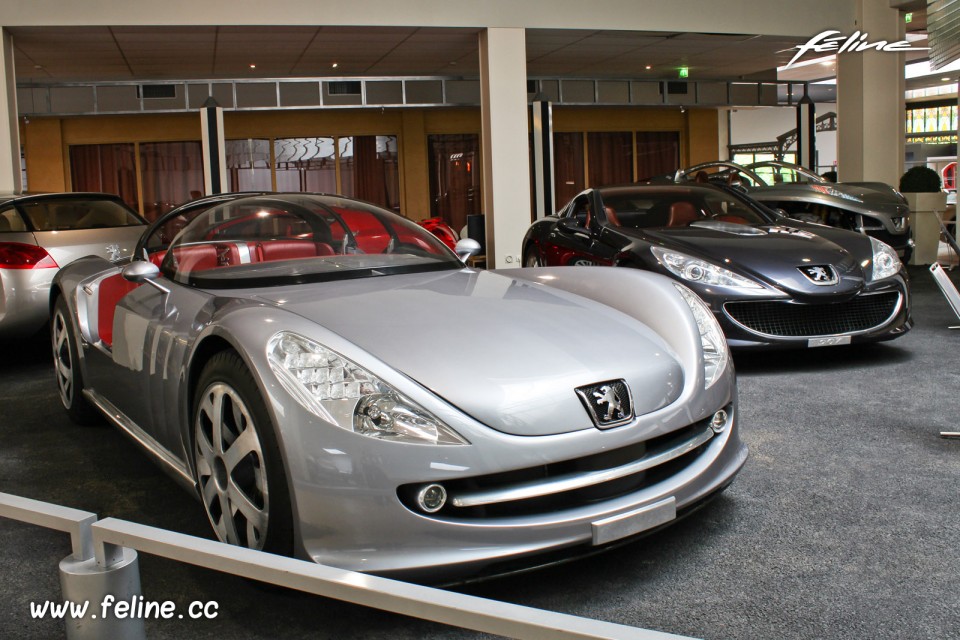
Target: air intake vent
point(148, 91)
point(344, 88)
point(677, 88)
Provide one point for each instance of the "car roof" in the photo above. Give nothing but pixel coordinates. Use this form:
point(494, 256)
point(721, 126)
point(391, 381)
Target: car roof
point(7, 198)
point(663, 188)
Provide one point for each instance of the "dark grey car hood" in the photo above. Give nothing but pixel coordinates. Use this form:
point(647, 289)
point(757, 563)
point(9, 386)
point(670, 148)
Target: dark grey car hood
point(506, 352)
point(775, 253)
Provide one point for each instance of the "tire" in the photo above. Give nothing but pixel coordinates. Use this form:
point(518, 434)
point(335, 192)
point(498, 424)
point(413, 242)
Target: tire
point(243, 490)
point(532, 258)
point(66, 366)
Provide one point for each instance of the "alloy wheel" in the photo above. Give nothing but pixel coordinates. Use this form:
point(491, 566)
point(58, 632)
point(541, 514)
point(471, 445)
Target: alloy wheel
point(63, 359)
point(230, 468)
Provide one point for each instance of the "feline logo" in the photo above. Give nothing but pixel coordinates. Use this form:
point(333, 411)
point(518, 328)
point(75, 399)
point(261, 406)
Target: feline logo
point(829, 41)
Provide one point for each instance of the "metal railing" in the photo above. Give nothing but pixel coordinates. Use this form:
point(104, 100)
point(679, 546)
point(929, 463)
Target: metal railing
point(107, 550)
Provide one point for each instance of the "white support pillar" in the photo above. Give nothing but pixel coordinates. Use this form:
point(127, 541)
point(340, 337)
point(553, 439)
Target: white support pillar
point(505, 150)
point(10, 180)
point(870, 104)
point(214, 148)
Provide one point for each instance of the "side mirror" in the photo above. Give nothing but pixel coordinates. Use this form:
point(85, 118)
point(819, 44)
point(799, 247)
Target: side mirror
point(466, 248)
point(143, 271)
point(140, 271)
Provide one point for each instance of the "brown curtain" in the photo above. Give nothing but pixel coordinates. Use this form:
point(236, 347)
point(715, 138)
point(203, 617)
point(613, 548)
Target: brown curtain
point(454, 177)
point(108, 168)
point(172, 174)
point(567, 166)
point(658, 153)
point(373, 175)
point(610, 157)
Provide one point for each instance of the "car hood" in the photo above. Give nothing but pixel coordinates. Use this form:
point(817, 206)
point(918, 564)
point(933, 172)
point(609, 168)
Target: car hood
point(509, 353)
point(774, 254)
point(857, 197)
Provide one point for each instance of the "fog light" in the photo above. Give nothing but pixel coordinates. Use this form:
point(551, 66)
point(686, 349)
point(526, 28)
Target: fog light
point(432, 498)
point(719, 421)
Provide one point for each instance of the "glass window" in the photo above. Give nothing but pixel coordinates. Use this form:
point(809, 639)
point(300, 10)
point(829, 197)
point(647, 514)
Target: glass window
point(609, 158)
point(107, 168)
point(11, 221)
point(60, 214)
point(248, 165)
point(172, 174)
point(454, 177)
point(306, 164)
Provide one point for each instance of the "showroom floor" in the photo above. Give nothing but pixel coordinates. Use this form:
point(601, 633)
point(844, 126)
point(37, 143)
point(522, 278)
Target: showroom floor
point(843, 524)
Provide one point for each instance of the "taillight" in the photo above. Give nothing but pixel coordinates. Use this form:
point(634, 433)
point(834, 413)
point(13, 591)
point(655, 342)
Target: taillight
point(16, 255)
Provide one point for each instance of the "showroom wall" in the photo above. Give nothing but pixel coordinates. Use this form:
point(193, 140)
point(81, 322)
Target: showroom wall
point(48, 140)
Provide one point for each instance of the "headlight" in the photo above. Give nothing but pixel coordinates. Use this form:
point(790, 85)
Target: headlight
point(350, 397)
point(885, 260)
point(699, 271)
point(716, 354)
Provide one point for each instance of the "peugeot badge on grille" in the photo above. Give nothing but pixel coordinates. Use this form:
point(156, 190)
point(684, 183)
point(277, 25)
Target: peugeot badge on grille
point(821, 274)
point(608, 403)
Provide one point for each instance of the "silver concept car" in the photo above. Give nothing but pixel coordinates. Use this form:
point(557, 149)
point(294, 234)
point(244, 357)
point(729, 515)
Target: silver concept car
point(334, 383)
point(40, 233)
point(873, 208)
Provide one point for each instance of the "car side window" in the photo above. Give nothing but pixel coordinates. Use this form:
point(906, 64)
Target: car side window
point(11, 221)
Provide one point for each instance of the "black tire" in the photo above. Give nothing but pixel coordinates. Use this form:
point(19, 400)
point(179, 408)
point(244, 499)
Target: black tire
point(66, 367)
point(253, 492)
point(532, 258)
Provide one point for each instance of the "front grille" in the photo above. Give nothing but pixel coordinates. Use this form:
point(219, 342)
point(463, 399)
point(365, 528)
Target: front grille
point(790, 319)
point(549, 474)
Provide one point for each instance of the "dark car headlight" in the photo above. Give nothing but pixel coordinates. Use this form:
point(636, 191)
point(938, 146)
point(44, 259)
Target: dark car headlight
point(885, 263)
point(716, 353)
point(700, 271)
point(345, 394)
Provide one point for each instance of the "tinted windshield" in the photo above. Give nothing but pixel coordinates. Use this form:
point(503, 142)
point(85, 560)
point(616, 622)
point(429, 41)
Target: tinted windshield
point(643, 209)
point(78, 213)
point(277, 240)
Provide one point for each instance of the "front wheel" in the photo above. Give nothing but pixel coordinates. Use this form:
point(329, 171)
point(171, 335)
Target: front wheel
point(533, 259)
point(66, 364)
point(239, 468)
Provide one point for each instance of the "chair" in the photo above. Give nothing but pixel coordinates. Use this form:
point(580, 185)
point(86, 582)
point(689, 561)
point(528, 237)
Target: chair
point(682, 213)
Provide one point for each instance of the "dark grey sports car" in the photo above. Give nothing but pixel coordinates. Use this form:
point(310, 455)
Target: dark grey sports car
point(770, 280)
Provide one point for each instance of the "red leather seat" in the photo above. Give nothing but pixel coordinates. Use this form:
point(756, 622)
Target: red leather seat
point(287, 250)
point(681, 214)
point(202, 257)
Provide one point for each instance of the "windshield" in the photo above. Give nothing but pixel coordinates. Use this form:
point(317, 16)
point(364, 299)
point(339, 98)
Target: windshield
point(776, 174)
point(651, 208)
point(62, 214)
point(283, 239)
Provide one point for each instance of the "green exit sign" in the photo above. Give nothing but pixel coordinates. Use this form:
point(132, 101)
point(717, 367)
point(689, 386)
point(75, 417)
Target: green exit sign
point(684, 72)
point(908, 18)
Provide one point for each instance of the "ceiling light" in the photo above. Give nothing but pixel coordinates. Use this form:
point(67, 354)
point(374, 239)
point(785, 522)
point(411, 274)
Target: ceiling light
point(253, 66)
point(648, 67)
point(945, 79)
point(827, 63)
point(335, 65)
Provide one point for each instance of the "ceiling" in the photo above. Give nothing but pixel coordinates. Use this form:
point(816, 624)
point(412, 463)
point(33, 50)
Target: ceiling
point(84, 54)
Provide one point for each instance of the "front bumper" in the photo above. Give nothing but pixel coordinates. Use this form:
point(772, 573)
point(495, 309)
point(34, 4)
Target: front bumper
point(742, 335)
point(350, 512)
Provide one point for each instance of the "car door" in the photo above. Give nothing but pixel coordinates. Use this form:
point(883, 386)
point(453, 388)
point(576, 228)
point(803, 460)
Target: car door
point(571, 240)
